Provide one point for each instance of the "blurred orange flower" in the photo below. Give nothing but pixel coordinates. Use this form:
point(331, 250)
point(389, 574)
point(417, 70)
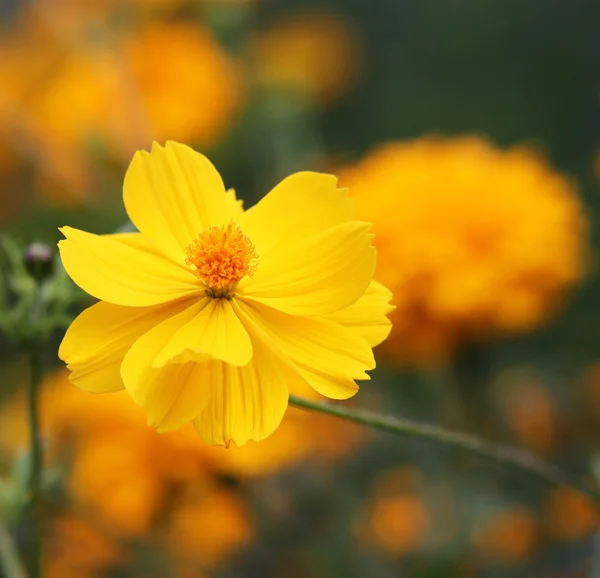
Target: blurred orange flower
point(509, 535)
point(316, 55)
point(112, 474)
point(121, 471)
point(209, 526)
point(472, 240)
point(398, 520)
point(78, 548)
point(571, 516)
point(195, 97)
point(399, 524)
point(30, 55)
point(78, 101)
point(62, 94)
point(529, 410)
point(120, 93)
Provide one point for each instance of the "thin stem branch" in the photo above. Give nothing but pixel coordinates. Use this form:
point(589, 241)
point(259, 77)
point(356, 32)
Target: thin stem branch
point(504, 455)
point(35, 480)
point(9, 557)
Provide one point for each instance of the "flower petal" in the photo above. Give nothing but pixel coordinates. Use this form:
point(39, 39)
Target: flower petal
point(302, 205)
point(177, 393)
point(322, 274)
point(328, 385)
point(172, 395)
point(137, 363)
point(236, 206)
point(122, 269)
point(245, 403)
point(214, 332)
point(368, 314)
point(96, 342)
point(173, 193)
point(327, 355)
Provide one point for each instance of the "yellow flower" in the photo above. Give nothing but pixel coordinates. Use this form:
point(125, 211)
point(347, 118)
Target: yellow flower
point(210, 314)
point(472, 240)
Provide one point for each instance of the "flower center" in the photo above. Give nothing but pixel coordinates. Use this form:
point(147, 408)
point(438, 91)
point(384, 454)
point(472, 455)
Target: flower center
point(222, 257)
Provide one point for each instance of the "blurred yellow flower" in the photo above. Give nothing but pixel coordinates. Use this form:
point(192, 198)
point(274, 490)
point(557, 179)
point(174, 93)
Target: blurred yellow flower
point(472, 240)
point(244, 303)
point(316, 55)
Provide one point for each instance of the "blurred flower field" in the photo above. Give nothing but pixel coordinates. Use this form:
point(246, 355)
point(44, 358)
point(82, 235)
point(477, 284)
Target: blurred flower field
point(467, 135)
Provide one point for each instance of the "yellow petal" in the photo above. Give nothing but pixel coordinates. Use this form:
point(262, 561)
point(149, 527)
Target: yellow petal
point(236, 206)
point(300, 206)
point(96, 342)
point(172, 395)
point(245, 403)
point(173, 193)
point(328, 356)
point(177, 393)
point(368, 314)
point(101, 376)
point(319, 275)
point(214, 332)
point(122, 269)
point(137, 363)
point(328, 385)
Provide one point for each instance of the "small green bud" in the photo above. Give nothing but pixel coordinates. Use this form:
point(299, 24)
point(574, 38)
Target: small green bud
point(36, 294)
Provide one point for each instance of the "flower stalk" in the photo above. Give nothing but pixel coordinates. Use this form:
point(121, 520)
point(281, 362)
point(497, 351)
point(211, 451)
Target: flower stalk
point(35, 480)
point(10, 563)
point(501, 454)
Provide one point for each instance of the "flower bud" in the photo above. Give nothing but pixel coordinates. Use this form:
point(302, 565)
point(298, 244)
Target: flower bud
point(39, 261)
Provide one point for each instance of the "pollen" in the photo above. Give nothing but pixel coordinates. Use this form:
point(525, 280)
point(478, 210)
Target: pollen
point(222, 256)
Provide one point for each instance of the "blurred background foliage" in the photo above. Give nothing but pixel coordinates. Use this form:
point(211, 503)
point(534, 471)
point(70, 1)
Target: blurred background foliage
point(468, 132)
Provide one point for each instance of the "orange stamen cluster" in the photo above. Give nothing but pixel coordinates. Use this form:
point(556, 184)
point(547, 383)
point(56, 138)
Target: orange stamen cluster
point(222, 257)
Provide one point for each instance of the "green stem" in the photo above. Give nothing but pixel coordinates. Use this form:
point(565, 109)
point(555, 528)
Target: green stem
point(505, 455)
point(35, 480)
point(9, 558)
